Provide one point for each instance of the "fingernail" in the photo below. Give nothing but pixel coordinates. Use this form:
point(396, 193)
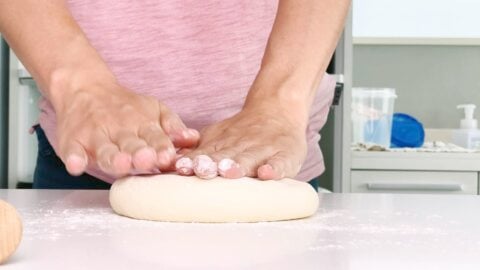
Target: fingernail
point(265, 172)
point(204, 167)
point(189, 133)
point(268, 166)
point(229, 168)
point(184, 166)
point(193, 132)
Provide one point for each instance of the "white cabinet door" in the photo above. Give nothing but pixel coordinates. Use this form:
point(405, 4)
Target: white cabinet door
point(414, 182)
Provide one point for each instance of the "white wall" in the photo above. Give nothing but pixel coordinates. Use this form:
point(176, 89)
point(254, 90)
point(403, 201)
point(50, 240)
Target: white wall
point(416, 18)
point(430, 80)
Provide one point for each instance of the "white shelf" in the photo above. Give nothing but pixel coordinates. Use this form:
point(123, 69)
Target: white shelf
point(440, 41)
point(415, 161)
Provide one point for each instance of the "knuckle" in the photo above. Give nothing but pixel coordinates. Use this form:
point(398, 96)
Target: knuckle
point(152, 134)
point(247, 162)
point(173, 121)
point(218, 156)
point(150, 126)
point(105, 148)
point(159, 140)
point(130, 143)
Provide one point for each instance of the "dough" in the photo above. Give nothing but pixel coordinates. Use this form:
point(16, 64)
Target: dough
point(190, 199)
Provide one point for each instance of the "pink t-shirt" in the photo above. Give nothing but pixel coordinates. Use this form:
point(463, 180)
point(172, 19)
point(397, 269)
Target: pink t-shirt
point(198, 57)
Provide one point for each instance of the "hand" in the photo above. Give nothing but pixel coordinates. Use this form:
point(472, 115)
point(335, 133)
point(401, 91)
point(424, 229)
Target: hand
point(266, 141)
point(119, 131)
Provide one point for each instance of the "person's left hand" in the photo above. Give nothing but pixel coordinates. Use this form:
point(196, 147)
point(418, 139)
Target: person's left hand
point(266, 141)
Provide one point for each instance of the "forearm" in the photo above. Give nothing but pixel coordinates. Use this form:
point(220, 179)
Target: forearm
point(51, 45)
point(302, 41)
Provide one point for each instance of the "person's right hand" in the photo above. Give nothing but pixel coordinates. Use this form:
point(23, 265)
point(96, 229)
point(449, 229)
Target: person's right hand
point(119, 131)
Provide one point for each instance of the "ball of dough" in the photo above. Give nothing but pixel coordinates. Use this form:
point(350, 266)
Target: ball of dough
point(190, 199)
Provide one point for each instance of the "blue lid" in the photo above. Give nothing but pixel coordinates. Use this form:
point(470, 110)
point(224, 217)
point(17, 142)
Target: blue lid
point(406, 131)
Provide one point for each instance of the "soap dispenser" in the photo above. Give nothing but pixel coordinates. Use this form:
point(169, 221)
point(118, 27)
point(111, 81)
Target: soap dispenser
point(468, 136)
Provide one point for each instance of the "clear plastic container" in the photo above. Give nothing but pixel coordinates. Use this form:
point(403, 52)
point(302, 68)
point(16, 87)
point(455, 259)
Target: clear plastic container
point(372, 113)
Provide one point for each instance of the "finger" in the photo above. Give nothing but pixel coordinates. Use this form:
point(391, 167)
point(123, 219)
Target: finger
point(204, 167)
point(108, 156)
point(111, 160)
point(267, 172)
point(227, 167)
point(252, 158)
point(206, 150)
point(198, 162)
point(75, 158)
point(156, 138)
point(144, 157)
point(248, 162)
point(279, 166)
point(174, 127)
point(226, 153)
point(184, 166)
point(182, 152)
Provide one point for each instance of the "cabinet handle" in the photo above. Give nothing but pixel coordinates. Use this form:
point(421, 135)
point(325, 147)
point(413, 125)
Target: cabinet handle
point(408, 186)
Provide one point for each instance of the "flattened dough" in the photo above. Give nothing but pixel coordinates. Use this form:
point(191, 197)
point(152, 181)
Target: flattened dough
point(190, 199)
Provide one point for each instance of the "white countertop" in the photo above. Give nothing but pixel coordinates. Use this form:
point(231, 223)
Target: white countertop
point(77, 230)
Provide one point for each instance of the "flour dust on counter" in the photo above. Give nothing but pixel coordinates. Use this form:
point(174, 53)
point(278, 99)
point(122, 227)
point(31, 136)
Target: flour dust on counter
point(349, 231)
point(52, 223)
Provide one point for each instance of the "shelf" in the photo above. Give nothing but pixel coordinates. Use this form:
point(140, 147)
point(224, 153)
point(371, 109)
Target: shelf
point(441, 41)
point(415, 161)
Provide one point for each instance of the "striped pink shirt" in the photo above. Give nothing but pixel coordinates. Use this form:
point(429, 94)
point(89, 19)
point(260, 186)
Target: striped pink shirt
point(198, 57)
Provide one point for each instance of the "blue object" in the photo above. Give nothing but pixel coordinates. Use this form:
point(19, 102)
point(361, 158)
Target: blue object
point(406, 131)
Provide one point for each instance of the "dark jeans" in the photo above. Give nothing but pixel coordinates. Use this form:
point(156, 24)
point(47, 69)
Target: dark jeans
point(51, 173)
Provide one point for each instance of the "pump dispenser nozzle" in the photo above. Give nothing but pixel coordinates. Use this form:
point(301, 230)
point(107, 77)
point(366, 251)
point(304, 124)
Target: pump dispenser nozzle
point(468, 122)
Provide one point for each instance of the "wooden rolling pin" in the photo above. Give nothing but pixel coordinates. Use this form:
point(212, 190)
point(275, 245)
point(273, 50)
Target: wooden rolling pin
point(10, 230)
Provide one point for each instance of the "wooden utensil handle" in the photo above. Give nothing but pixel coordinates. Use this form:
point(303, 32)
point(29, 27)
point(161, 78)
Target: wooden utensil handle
point(10, 230)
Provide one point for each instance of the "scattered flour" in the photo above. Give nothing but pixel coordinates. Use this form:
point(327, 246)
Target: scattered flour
point(337, 229)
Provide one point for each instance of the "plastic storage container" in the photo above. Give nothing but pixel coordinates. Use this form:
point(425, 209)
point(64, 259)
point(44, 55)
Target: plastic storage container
point(372, 112)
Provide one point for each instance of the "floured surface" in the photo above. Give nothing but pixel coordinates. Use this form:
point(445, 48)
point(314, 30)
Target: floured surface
point(349, 231)
point(178, 198)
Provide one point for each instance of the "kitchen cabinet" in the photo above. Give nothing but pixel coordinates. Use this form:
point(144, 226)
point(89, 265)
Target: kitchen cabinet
point(415, 182)
point(414, 172)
